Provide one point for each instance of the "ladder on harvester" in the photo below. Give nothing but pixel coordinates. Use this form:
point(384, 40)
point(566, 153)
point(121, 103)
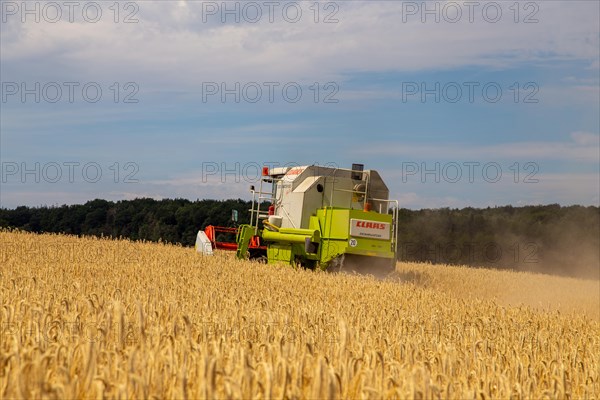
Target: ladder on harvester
point(260, 197)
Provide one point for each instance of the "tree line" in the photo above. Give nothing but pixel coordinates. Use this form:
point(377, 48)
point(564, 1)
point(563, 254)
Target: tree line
point(548, 238)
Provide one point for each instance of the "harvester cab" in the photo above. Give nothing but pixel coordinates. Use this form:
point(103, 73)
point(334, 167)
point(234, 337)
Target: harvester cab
point(322, 217)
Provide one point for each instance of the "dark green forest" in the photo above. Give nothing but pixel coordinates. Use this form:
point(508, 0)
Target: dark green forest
point(548, 239)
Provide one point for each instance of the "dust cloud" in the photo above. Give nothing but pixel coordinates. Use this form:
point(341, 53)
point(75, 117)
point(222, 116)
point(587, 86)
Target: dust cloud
point(543, 292)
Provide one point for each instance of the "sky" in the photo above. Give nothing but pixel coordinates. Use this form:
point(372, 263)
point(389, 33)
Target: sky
point(455, 104)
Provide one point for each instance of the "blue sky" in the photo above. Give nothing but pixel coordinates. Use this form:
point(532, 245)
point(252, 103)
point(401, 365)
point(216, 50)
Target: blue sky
point(537, 143)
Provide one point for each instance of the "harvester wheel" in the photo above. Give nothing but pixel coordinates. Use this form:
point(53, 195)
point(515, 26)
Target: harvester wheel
point(337, 264)
point(262, 259)
point(354, 264)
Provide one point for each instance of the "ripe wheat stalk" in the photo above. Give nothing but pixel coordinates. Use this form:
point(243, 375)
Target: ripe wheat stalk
point(99, 318)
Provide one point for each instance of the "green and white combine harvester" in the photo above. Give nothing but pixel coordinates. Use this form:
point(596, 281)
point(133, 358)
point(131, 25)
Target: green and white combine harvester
point(317, 217)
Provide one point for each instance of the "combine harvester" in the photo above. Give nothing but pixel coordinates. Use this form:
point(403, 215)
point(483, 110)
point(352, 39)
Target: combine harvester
point(316, 217)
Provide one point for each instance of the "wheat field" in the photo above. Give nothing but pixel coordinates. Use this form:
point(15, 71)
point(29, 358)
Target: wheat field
point(98, 318)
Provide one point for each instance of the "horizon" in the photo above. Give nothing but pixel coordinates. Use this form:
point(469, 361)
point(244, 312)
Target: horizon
point(41, 206)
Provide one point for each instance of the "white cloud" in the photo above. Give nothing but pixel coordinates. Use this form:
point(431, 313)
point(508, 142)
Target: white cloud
point(171, 50)
point(171, 45)
point(562, 188)
point(583, 147)
point(586, 138)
